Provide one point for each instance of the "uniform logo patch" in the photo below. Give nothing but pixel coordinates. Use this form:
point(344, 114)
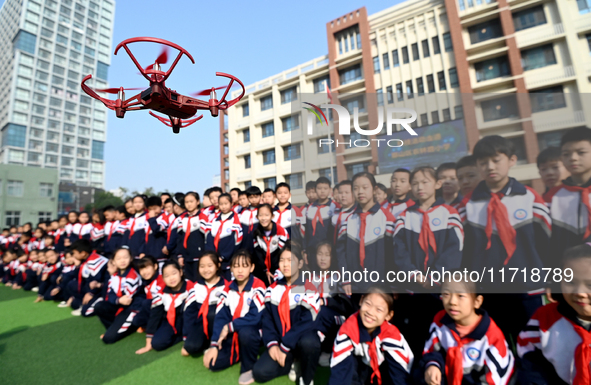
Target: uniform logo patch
point(289, 219)
point(520, 214)
point(297, 298)
point(473, 354)
point(229, 230)
point(436, 222)
point(377, 230)
point(248, 301)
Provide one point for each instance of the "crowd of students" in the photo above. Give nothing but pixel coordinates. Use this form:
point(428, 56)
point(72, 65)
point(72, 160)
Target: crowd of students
point(226, 276)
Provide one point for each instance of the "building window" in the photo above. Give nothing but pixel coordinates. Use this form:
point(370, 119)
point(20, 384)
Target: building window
point(295, 181)
point(15, 188)
point(430, 84)
point(268, 129)
point(226, 175)
point(538, 57)
point(246, 135)
point(415, 51)
point(529, 18)
point(270, 183)
point(441, 81)
point(226, 162)
point(409, 90)
point(102, 70)
point(447, 42)
point(325, 172)
point(459, 112)
point(45, 216)
point(395, 59)
point(588, 36)
point(45, 190)
point(549, 139)
point(290, 123)
point(435, 117)
point(269, 157)
point(245, 110)
point(351, 139)
point(490, 29)
point(446, 114)
point(350, 74)
point(320, 84)
point(584, 6)
point(399, 94)
point(389, 95)
point(380, 97)
point(353, 169)
point(98, 150)
point(246, 161)
point(425, 44)
point(25, 41)
point(547, 99)
point(291, 152)
point(453, 78)
point(424, 120)
point(13, 218)
point(405, 55)
point(14, 135)
point(247, 184)
point(376, 65)
point(436, 47)
point(492, 69)
point(325, 148)
point(519, 146)
point(357, 102)
point(501, 108)
point(267, 103)
point(289, 95)
point(386, 60)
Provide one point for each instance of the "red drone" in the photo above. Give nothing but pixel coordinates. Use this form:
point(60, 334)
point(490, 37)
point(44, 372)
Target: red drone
point(160, 98)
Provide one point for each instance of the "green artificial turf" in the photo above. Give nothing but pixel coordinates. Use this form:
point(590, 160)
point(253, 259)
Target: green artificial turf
point(43, 344)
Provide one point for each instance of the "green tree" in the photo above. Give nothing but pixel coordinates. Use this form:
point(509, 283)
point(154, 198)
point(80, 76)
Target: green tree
point(102, 199)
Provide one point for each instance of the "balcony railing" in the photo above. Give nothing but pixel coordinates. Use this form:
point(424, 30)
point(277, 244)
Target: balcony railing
point(536, 34)
point(550, 75)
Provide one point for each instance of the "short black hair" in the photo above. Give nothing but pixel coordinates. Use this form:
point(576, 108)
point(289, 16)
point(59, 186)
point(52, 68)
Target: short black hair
point(82, 245)
point(577, 134)
point(311, 185)
point(154, 201)
point(241, 255)
point(493, 145)
point(225, 195)
point(108, 208)
point(322, 180)
point(576, 252)
point(242, 192)
point(400, 169)
point(123, 210)
point(268, 189)
point(215, 189)
point(346, 182)
point(466, 161)
point(548, 155)
point(253, 190)
point(237, 190)
point(283, 184)
point(145, 261)
point(165, 194)
point(444, 167)
point(382, 187)
point(167, 201)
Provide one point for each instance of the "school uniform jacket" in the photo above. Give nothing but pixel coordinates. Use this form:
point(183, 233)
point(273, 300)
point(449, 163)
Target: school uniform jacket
point(120, 284)
point(191, 236)
point(267, 249)
point(398, 206)
point(304, 305)
point(112, 238)
point(419, 246)
point(59, 238)
point(318, 226)
point(224, 236)
point(283, 217)
point(94, 268)
point(298, 230)
point(377, 241)
point(239, 309)
point(152, 287)
point(135, 234)
point(69, 272)
point(162, 302)
point(82, 231)
point(248, 220)
point(570, 217)
point(484, 354)
point(156, 237)
point(339, 218)
point(528, 219)
point(69, 229)
point(97, 236)
point(201, 302)
point(383, 344)
point(549, 346)
point(211, 213)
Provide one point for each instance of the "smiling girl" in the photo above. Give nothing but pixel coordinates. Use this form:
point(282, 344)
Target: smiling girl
point(269, 240)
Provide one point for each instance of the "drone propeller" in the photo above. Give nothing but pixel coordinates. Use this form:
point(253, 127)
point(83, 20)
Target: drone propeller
point(161, 59)
point(116, 90)
point(207, 91)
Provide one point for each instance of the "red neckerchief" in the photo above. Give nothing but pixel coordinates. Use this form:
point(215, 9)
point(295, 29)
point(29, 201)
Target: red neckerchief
point(582, 356)
point(58, 234)
point(317, 218)
point(205, 309)
point(132, 227)
point(216, 240)
point(250, 221)
point(496, 210)
point(336, 230)
point(283, 310)
point(362, 220)
point(81, 267)
point(426, 237)
point(585, 191)
point(188, 229)
point(147, 227)
point(280, 212)
point(111, 230)
point(373, 360)
point(454, 369)
point(235, 341)
point(171, 313)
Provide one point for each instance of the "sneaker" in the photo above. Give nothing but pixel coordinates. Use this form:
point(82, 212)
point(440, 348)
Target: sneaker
point(246, 378)
point(63, 304)
point(324, 360)
point(77, 312)
point(35, 289)
point(302, 381)
point(293, 372)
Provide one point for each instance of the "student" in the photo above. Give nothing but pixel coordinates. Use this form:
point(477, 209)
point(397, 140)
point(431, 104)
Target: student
point(446, 174)
point(69, 228)
point(268, 196)
point(224, 234)
point(291, 307)
point(164, 197)
point(347, 207)
point(213, 210)
point(116, 311)
point(242, 201)
point(152, 284)
point(31, 272)
point(235, 194)
point(206, 202)
point(381, 195)
point(69, 273)
point(368, 346)
point(507, 226)
point(10, 260)
point(401, 188)
point(191, 236)
point(155, 230)
point(82, 229)
point(111, 224)
point(468, 175)
point(236, 336)
point(116, 238)
point(248, 217)
point(165, 327)
point(97, 233)
point(269, 241)
point(569, 202)
point(129, 207)
point(554, 346)
point(551, 168)
point(282, 210)
point(175, 219)
point(465, 345)
point(92, 276)
point(167, 208)
point(201, 304)
point(20, 268)
point(311, 193)
point(135, 235)
point(318, 225)
point(49, 275)
point(365, 239)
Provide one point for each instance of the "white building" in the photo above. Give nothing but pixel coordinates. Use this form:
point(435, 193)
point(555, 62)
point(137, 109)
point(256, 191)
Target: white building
point(46, 48)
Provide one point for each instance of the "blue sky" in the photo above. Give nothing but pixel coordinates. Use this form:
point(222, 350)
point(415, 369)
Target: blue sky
point(236, 37)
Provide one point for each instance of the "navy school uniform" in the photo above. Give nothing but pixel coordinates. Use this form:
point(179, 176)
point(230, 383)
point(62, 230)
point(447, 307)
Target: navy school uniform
point(318, 226)
point(298, 229)
point(150, 288)
point(191, 242)
point(283, 217)
point(94, 268)
point(267, 249)
point(172, 232)
point(116, 317)
point(199, 314)
point(165, 326)
point(481, 357)
point(339, 218)
point(69, 273)
point(31, 273)
point(9, 272)
point(82, 231)
point(58, 240)
point(249, 221)
point(225, 237)
point(553, 347)
point(20, 276)
point(359, 356)
point(69, 231)
point(112, 238)
point(398, 206)
point(364, 241)
point(97, 236)
point(53, 271)
point(156, 238)
point(135, 234)
point(289, 323)
point(242, 313)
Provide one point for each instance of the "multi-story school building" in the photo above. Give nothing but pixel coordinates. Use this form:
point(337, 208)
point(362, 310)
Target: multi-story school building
point(46, 48)
point(516, 68)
